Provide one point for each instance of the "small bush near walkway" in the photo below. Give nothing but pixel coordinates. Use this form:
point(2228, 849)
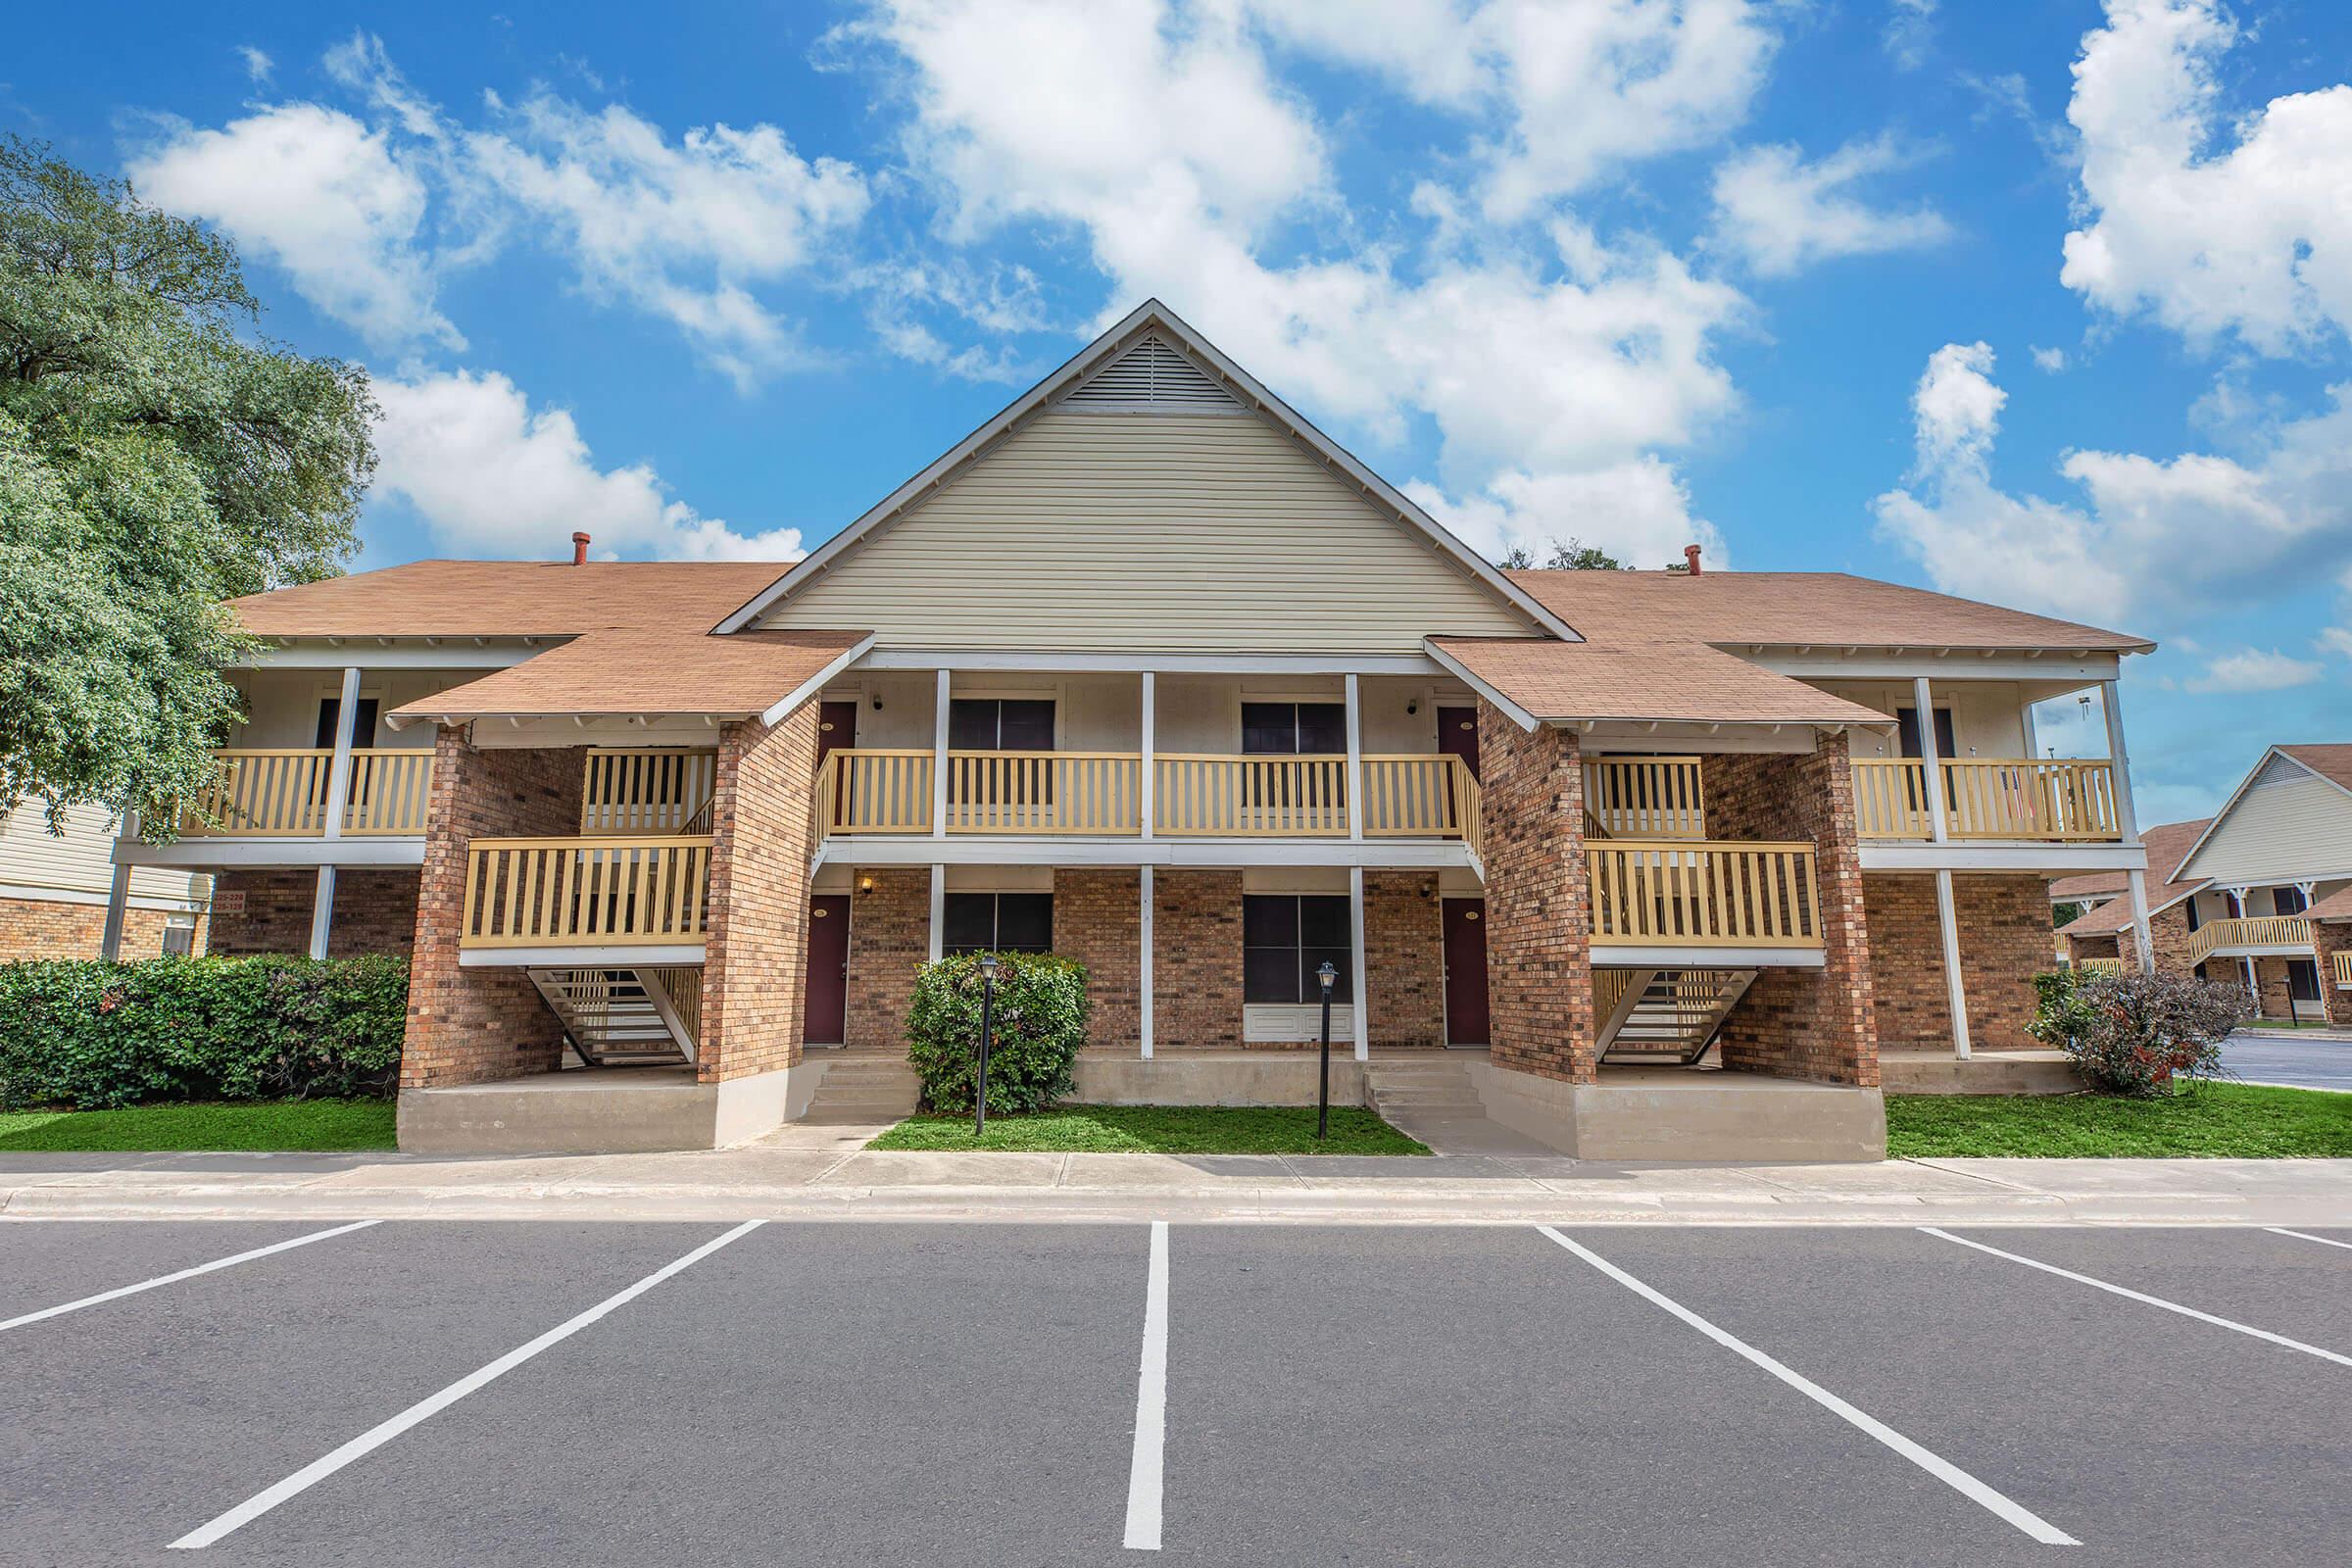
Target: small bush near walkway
point(2199, 1121)
point(1039, 1023)
point(268, 1124)
point(2136, 1034)
point(1157, 1129)
point(93, 1035)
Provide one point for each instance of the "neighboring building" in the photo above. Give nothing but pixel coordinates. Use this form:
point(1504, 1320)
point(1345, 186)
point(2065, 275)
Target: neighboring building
point(2255, 894)
point(1150, 672)
point(54, 892)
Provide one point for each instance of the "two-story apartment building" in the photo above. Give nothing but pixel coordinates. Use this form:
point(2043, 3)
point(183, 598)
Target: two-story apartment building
point(1149, 672)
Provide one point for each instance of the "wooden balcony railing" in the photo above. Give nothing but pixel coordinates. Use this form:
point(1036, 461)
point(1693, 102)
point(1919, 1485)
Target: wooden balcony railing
point(606, 892)
point(1714, 894)
point(1420, 794)
point(2249, 931)
point(2101, 966)
point(859, 791)
point(1045, 792)
point(1200, 796)
point(1646, 796)
point(2052, 801)
point(2344, 968)
point(275, 792)
point(646, 791)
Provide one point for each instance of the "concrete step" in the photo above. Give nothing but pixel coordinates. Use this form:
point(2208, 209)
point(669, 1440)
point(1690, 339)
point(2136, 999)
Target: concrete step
point(1449, 1096)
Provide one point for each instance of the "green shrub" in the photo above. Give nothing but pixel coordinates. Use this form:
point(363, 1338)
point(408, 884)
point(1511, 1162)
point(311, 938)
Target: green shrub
point(2133, 1032)
point(95, 1035)
point(1039, 1022)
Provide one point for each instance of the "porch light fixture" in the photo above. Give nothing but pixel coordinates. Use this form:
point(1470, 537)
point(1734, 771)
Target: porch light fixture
point(1328, 975)
point(988, 1010)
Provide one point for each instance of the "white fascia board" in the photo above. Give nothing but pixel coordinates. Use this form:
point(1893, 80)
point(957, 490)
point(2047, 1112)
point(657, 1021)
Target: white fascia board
point(1827, 661)
point(1461, 672)
point(249, 855)
point(2057, 859)
point(494, 732)
point(2262, 950)
point(372, 653)
point(1608, 739)
point(1150, 315)
point(1016, 661)
point(619, 956)
point(817, 682)
point(1399, 855)
point(1696, 957)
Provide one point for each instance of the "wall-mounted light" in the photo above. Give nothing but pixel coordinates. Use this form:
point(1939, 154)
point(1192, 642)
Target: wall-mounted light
point(866, 884)
point(877, 702)
point(1412, 704)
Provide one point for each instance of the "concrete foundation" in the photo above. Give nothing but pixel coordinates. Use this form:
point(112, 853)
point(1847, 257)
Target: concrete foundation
point(614, 1110)
point(1668, 1114)
point(1215, 1078)
point(2004, 1072)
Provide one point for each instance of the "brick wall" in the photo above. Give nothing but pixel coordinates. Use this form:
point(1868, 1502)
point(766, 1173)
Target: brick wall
point(474, 1025)
point(1803, 1023)
point(757, 944)
point(890, 937)
point(1404, 959)
point(2329, 938)
point(1197, 964)
point(2169, 935)
point(1098, 921)
point(1538, 915)
point(50, 928)
point(2270, 986)
point(2004, 925)
point(2080, 948)
point(376, 912)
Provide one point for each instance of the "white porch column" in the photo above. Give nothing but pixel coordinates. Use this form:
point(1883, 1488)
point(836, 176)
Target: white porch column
point(2144, 941)
point(1148, 805)
point(939, 794)
point(322, 911)
point(1143, 942)
point(939, 911)
point(1948, 920)
point(1355, 794)
point(1931, 764)
point(2127, 818)
point(118, 902)
point(1362, 1008)
point(1954, 986)
point(338, 795)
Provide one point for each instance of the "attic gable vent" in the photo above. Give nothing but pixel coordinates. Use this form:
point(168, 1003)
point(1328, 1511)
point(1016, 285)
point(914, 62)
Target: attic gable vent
point(1152, 377)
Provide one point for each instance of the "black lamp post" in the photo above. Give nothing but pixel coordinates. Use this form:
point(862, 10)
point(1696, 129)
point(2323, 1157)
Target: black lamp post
point(987, 1018)
point(1327, 974)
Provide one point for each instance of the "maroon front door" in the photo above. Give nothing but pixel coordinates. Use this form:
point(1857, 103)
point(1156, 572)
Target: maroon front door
point(1458, 733)
point(836, 725)
point(828, 990)
point(1465, 971)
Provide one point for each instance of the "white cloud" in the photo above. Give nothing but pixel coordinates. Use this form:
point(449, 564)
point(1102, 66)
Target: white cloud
point(258, 65)
point(324, 197)
point(2250, 670)
point(491, 477)
point(1909, 32)
point(1784, 214)
point(2189, 533)
point(2049, 360)
point(2246, 231)
point(1638, 512)
point(2334, 640)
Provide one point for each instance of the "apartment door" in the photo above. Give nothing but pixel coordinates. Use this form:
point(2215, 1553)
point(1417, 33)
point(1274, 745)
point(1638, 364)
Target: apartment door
point(826, 998)
point(1465, 972)
point(836, 728)
point(1457, 735)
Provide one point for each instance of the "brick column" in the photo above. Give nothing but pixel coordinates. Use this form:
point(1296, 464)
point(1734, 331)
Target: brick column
point(1404, 957)
point(756, 947)
point(2005, 942)
point(1196, 978)
point(2170, 936)
point(473, 1025)
point(1099, 920)
point(1539, 900)
point(2329, 938)
point(1803, 1023)
point(890, 937)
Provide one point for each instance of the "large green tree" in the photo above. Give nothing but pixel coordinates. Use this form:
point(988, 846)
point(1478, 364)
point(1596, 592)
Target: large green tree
point(157, 455)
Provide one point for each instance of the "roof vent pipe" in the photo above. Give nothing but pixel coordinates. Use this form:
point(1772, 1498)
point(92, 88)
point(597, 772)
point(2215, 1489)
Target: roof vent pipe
point(1689, 554)
point(579, 551)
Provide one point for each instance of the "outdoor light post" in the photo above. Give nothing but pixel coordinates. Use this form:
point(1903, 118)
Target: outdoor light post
point(987, 1016)
point(1327, 974)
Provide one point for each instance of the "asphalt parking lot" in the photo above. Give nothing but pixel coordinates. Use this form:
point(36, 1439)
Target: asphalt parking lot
point(2279, 1058)
point(422, 1393)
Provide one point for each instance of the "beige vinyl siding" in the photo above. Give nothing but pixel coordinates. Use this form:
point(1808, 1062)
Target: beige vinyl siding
point(2291, 825)
point(81, 864)
point(1165, 532)
point(1987, 717)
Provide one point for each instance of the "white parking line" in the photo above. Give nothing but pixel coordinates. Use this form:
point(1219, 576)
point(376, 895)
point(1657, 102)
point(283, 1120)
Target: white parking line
point(375, 1437)
point(185, 1274)
point(1943, 1470)
point(2301, 1236)
point(1150, 1403)
point(2151, 1300)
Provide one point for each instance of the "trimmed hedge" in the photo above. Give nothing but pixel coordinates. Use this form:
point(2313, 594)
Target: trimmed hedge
point(1038, 1025)
point(95, 1035)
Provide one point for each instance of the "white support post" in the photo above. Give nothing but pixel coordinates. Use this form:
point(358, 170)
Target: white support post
point(1948, 920)
point(1355, 786)
point(1147, 786)
point(338, 771)
point(2032, 736)
point(1361, 1010)
point(322, 911)
point(939, 793)
point(1143, 942)
point(1955, 988)
point(2119, 760)
point(939, 911)
point(1931, 764)
point(2143, 942)
point(117, 905)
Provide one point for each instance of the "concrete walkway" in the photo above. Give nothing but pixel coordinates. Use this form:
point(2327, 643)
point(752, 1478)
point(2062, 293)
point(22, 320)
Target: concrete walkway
point(781, 1177)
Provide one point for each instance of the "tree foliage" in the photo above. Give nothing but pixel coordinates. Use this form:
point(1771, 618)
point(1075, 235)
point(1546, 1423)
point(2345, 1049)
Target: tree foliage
point(1574, 556)
point(155, 460)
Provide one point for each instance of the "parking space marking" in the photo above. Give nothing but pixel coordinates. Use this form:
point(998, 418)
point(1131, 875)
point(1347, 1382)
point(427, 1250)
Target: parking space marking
point(2151, 1300)
point(1145, 1467)
point(375, 1437)
point(2301, 1236)
point(1943, 1469)
point(185, 1274)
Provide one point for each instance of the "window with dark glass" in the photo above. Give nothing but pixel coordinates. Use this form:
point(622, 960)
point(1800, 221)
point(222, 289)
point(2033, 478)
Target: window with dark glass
point(2288, 901)
point(998, 922)
point(1001, 724)
point(1294, 729)
point(2303, 979)
point(1285, 939)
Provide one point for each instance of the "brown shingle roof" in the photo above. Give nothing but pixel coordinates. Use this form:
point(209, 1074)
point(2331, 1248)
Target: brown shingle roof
point(508, 598)
point(2336, 906)
point(645, 669)
point(1797, 609)
point(1645, 679)
point(2168, 845)
point(2331, 762)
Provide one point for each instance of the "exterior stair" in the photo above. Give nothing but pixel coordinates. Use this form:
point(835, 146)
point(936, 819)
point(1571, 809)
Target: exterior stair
point(859, 1089)
point(625, 1017)
point(1427, 1086)
point(1664, 1015)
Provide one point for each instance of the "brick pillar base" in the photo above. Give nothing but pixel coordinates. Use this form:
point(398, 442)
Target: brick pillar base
point(756, 947)
point(2329, 938)
point(890, 937)
point(1099, 920)
point(1539, 913)
point(1196, 960)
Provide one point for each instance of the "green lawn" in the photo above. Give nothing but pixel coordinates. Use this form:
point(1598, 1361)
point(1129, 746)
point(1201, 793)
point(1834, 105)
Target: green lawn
point(1158, 1130)
point(2210, 1121)
point(283, 1124)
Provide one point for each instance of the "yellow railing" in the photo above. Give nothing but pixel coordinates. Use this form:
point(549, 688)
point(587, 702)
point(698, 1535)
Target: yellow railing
point(1250, 797)
point(527, 893)
point(278, 791)
point(1045, 792)
point(1646, 796)
point(1723, 894)
point(645, 790)
point(2102, 965)
point(2050, 801)
point(1420, 796)
point(2249, 931)
point(861, 791)
point(1608, 989)
point(1891, 798)
point(2344, 967)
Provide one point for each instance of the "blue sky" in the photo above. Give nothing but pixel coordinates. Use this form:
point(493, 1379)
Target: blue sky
point(2038, 302)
